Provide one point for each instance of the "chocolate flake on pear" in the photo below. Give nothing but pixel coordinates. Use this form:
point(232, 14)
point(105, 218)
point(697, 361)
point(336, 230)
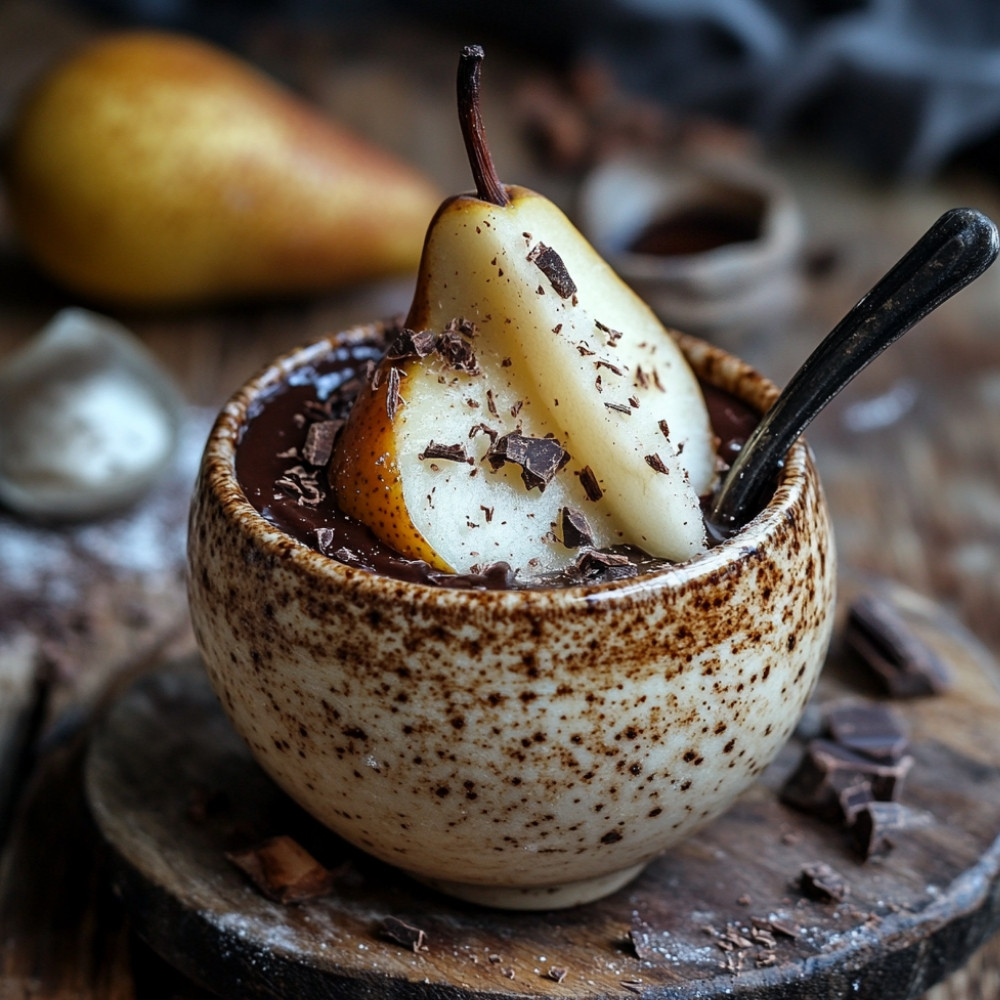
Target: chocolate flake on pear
point(588, 480)
point(457, 352)
point(551, 265)
point(656, 463)
point(539, 458)
point(576, 530)
point(450, 452)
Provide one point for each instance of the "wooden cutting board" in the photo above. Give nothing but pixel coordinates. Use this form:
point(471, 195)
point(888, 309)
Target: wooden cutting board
point(173, 790)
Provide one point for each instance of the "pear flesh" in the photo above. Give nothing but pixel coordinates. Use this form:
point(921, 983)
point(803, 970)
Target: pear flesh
point(555, 415)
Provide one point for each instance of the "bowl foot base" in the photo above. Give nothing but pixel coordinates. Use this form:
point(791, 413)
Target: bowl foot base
point(538, 897)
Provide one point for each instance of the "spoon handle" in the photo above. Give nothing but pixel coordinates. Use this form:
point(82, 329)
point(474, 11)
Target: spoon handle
point(954, 251)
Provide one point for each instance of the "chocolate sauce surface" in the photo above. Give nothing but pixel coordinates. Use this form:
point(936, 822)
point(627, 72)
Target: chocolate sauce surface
point(289, 491)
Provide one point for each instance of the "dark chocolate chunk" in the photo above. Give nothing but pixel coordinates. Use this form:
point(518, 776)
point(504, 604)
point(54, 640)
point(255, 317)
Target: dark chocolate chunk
point(590, 484)
point(551, 265)
point(576, 531)
point(449, 452)
point(826, 781)
point(876, 825)
point(906, 665)
point(539, 458)
point(410, 344)
point(400, 932)
point(655, 463)
point(596, 566)
point(283, 870)
point(872, 729)
point(319, 441)
point(821, 883)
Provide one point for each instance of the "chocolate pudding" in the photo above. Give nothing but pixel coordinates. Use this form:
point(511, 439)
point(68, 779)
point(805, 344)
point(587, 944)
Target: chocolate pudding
point(282, 455)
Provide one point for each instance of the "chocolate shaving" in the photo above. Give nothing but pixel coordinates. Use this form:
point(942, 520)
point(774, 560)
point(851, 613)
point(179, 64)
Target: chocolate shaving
point(483, 429)
point(576, 531)
point(590, 484)
point(906, 665)
point(613, 335)
point(283, 870)
point(557, 975)
point(539, 458)
point(319, 441)
point(400, 932)
point(821, 883)
point(491, 404)
point(458, 353)
point(551, 265)
point(393, 400)
point(450, 452)
point(619, 408)
point(464, 326)
point(655, 463)
point(301, 484)
point(410, 344)
point(664, 428)
point(601, 363)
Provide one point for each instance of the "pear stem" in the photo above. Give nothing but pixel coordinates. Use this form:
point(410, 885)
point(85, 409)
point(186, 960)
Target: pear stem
point(488, 185)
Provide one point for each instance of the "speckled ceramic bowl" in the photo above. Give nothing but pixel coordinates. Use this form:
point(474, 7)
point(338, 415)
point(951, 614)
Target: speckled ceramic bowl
point(525, 749)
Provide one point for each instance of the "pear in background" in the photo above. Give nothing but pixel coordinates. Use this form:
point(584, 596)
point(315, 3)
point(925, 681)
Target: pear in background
point(154, 169)
point(535, 408)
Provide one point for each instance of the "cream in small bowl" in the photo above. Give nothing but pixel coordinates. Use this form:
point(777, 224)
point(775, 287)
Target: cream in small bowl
point(528, 747)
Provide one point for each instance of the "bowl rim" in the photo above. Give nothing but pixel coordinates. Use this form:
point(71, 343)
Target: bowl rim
point(718, 367)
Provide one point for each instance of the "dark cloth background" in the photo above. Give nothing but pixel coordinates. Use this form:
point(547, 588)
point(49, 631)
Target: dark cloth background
point(897, 86)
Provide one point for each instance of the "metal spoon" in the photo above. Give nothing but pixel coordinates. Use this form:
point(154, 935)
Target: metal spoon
point(954, 251)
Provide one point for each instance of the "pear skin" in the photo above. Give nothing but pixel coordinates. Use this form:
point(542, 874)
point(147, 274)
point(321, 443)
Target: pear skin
point(154, 169)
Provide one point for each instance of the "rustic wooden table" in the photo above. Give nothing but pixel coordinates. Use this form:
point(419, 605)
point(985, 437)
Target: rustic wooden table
point(910, 458)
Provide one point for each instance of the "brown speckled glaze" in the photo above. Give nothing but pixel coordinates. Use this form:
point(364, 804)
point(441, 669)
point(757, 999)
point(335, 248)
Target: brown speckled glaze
point(529, 748)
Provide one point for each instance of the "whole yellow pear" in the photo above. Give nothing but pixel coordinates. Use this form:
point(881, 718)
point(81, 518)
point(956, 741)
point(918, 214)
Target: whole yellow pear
point(155, 169)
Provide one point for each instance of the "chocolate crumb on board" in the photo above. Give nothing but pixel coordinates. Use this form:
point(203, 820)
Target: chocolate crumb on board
point(400, 932)
point(552, 266)
point(319, 441)
point(906, 666)
point(556, 974)
point(539, 458)
point(283, 870)
point(450, 452)
point(576, 530)
point(821, 883)
point(632, 985)
point(588, 480)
